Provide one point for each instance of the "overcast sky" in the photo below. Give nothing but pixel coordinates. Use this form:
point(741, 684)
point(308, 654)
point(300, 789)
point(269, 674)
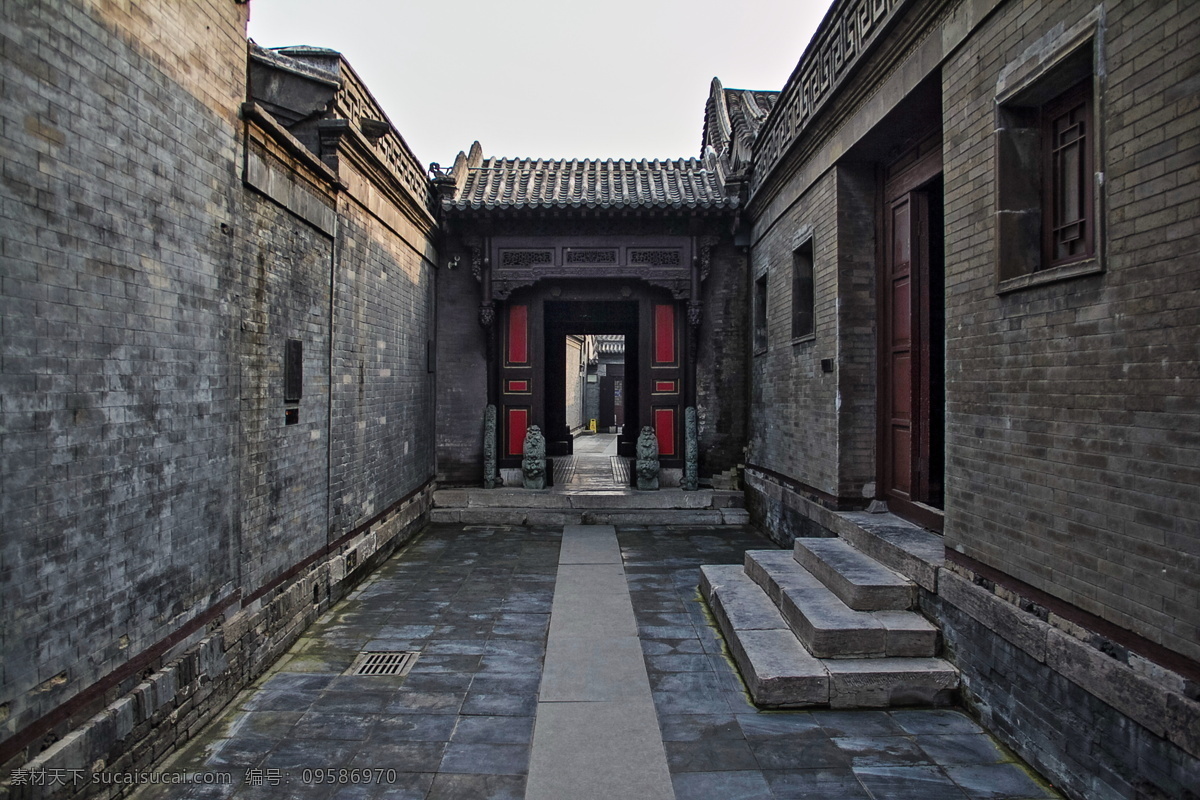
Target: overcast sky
point(549, 78)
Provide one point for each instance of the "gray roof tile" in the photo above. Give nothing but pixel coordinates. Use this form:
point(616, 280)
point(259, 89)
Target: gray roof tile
point(526, 183)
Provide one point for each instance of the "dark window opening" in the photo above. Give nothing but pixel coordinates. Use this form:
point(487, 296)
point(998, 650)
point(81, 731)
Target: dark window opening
point(1047, 227)
point(293, 371)
point(803, 323)
point(760, 314)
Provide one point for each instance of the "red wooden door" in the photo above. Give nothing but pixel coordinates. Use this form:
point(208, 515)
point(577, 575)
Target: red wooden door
point(899, 347)
point(911, 353)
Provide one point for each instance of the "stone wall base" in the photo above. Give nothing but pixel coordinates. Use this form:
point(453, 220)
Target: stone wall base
point(170, 705)
point(1098, 720)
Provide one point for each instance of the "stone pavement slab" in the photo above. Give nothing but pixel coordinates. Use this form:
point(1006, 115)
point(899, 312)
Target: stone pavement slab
point(596, 734)
point(475, 602)
point(598, 750)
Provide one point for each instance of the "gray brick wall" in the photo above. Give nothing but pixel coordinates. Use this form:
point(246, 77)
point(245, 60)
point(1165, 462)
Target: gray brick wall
point(794, 406)
point(461, 375)
point(1094, 722)
point(722, 344)
point(382, 389)
point(160, 517)
point(1072, 411)
point(118, 387)
point(283, 468)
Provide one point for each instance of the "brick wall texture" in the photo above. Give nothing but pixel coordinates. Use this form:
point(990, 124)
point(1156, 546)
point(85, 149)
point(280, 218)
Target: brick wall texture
point(1072, 457)
point(721, 346)
point(1071, 461)
point(162, 521)
point(120, 367)
point(1072, 412)
point(816, 427)
point(383, 389)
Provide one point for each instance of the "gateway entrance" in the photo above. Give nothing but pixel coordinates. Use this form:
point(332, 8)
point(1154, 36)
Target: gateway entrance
point(532, 371)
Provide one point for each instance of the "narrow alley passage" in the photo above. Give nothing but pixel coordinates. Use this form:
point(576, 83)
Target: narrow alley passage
point(476, 603)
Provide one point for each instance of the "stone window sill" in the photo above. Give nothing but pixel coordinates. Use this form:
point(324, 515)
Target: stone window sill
point(1090, 266)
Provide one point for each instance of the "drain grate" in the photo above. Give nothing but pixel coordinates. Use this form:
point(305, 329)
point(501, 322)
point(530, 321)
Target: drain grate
point(378, 662)
point(620, 470)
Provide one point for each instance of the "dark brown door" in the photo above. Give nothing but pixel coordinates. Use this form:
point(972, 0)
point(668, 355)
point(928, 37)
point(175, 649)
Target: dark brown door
point(911, 350)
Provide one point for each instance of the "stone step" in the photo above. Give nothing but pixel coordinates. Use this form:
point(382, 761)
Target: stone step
point(827, 626)
point(780, 673)
point(776, 668)
point(859, 581)
point(592, 516)
point(886, 682)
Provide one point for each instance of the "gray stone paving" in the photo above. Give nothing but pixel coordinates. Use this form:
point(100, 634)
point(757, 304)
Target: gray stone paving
point(475, 601)
point(596, 735)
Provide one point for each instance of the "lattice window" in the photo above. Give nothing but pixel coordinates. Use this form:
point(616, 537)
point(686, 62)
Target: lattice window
point(591, 256)
point(525, 258)
point(1067, 191)
point(656, 258)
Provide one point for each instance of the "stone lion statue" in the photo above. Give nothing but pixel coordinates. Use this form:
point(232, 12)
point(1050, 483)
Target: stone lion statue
point(533, 464)
point(646, 466)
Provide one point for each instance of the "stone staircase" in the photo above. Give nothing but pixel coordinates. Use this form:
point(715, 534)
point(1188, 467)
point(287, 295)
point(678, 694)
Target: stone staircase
point(827, 625)
point(588, 506)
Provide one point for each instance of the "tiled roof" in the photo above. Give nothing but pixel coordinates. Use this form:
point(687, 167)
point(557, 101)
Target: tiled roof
point(732, 120)
point(525, 183)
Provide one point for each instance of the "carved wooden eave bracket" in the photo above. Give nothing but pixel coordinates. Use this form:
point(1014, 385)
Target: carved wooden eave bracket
point(704, 255)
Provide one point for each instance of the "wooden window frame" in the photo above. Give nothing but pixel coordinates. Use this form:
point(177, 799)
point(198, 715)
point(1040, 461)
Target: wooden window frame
point(1056, 184)
point(1067, 67)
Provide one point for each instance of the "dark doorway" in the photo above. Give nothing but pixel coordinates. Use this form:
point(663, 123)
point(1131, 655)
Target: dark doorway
point(912, 343)
point(563, 317)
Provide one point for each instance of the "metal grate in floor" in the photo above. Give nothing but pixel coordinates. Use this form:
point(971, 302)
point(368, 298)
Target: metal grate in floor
point(564, 467)
point(377, 662)
point(620, 470)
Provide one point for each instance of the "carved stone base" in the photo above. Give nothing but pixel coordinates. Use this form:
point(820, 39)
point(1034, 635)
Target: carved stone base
point(647, 468)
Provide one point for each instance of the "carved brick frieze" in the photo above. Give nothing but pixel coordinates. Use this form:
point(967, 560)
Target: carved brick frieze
point(525, 258)
point(664, 261)
point(591, 256)
point(355, 103)
point(850, 31)
point(656, 257)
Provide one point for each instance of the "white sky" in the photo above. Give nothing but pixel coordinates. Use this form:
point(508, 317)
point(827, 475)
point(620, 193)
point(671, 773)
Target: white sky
point(549, 78)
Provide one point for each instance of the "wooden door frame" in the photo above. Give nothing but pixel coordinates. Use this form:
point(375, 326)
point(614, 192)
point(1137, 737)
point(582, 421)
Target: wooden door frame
point(653, 390)
point(909, 175)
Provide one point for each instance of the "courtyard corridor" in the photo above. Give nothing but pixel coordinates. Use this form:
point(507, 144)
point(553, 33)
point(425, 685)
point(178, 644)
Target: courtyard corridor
point(529, 678)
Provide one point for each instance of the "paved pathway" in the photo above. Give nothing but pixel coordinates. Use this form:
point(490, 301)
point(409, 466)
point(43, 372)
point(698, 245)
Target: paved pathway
point(590, 469)
point(596, 736)
point(476, 602)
